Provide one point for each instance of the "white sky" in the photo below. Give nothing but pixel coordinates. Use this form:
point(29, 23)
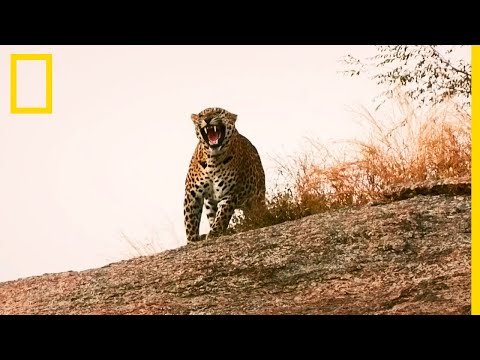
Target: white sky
point(114, 154)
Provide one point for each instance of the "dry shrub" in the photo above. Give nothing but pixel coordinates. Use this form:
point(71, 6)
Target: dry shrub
point(408, 146)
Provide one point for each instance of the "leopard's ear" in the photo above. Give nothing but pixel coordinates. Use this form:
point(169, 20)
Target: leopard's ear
point(233, 117)
point(195, 118)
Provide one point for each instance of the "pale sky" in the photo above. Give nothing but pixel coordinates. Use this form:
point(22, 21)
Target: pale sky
point(114, 154)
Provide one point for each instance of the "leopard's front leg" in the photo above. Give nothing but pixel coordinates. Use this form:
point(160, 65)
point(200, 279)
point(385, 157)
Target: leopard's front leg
point(192, 212)
point(226, 208)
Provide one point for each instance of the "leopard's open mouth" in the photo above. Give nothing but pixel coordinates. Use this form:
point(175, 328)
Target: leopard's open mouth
point(213, 135)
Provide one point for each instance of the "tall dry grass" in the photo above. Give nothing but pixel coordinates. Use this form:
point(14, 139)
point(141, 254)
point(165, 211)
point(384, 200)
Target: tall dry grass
point(408, 146)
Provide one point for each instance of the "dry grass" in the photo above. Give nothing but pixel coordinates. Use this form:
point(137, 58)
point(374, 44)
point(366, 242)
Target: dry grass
point(149, 246)
point(406, 147)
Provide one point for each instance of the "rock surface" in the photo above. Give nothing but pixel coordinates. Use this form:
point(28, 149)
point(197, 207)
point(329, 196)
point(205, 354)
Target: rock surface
point(407, 256)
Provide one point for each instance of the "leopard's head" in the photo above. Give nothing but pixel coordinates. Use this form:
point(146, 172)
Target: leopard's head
point(214, 128)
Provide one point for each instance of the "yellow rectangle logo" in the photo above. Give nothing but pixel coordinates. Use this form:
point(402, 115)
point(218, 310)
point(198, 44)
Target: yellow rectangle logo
point(14, 109)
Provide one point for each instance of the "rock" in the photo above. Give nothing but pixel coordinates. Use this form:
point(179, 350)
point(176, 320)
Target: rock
point(409, 255)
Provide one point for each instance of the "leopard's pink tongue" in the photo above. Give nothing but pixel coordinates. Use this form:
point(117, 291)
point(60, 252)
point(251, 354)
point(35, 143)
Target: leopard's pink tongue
point(213, 136)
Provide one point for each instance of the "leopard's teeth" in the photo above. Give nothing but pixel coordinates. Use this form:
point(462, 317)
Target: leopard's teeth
point(214, 128)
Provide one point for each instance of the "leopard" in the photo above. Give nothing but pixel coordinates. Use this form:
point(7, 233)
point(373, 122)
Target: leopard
point(225, 174)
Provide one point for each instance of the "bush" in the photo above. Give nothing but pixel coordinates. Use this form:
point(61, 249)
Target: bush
point(411, 146)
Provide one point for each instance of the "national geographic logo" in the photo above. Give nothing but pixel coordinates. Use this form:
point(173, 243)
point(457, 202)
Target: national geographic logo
point(14, 108)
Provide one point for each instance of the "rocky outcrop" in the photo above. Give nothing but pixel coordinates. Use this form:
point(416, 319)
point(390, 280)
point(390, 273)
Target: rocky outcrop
point(408, 255)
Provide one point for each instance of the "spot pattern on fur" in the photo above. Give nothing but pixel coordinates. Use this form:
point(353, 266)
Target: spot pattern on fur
point(225, 174)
